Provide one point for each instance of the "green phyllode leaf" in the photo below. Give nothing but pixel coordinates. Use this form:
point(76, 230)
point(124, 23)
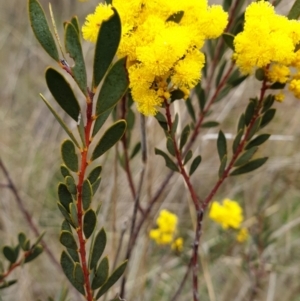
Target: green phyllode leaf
point(62, 93)
point(64, 196)
point(41, 28)
point(222, 166)
point(196, 162)
point(107, 44)
point(168, 160)
point(35, 252)
point(228, 38)
point(188, 157)
point(7, 284)
point(176, 17)
point(170, 146)
point(60, 121)
point(69, 156)
point(97, 249)
point(267, 117)
point(78, 273)
point(10, 254)
point(70, 182)
point(250, 166)
point(184, 136)
point(68, 267)
point(221, 145)
point(114, 87)
point(87, 194)
point(89, 223)
point(246, 156)
point(101, 274)
point(257, 141)
point(67, 239)
point(94, 174)
point(100, 121)
point(161, 120)
point(113, 278)
point(73, 47)
point(64, 170)
point(295, 11)
point(109, 138)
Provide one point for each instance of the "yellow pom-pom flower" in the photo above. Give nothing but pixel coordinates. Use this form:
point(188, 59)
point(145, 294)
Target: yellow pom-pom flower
point(242, 235)
point(266, 38)
point(166, 230)
point(228, 215)
point(160, 47)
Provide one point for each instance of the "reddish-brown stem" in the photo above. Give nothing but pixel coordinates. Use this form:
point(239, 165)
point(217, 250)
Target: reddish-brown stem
point(168, 177)
point(126, 156)
point(215, 189)
point(178, 155)
point(26, 213)
point(203, 113)
point(83, 166)
point(15, 265)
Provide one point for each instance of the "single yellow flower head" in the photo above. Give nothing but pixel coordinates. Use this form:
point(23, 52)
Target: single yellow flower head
point(266, 38)
point(177, 244)
point(93, 22)
point(228, 215)
point(279, 97)
point(167, 226)
point(242, 235)
point(295, 87)
point(278, 73)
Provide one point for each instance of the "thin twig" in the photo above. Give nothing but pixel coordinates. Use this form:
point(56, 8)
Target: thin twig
point(137, 200)
point(26, 213)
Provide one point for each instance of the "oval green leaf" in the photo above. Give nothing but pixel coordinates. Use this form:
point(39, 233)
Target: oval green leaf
point(107, 44)
point(113, 278)
point(67, 239)
point(70, 182)
point(69, 156)
point(246, 156)
point(101, 274)
point(35, 252)
point(62, 93)
point(10, 254)
point(94, 174)
point(89, 223)
point(258, 141)
point(41, 28)
point(64, 196)
point(73, 47)
point(68, 266)
point(109, 138)
point(222, 166)
point(168, 160)
point(221, 145)
point(97, 248)
point(60, 121)
point(228, 38)
point(195, 164)
point(87, 194)
point(114, 87)
point(78, 273)
point(250, 166)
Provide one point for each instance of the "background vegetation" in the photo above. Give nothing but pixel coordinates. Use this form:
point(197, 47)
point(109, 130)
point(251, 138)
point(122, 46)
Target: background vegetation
point(267, 267)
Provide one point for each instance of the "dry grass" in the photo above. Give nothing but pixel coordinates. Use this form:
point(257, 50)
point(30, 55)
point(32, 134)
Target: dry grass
point(29, 146)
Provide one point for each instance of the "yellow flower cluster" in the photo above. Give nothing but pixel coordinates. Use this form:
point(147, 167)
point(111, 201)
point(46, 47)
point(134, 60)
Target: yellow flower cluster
point(163, 53)
point(167, 227)
point(229, 215)
point(269, 41)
